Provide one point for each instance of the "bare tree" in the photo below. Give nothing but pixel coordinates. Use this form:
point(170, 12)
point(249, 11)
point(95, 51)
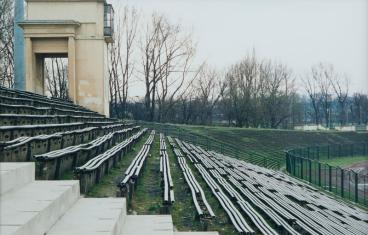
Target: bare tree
point(259, 93)
point(210, 88)
point(242, 87)
point(324, 74)
point(187, 107)
point(166, 50)
point(277, 90)
point(312, 88)
point(6, 43)
point(177, 76)
point(340, 85)
point(358, 111)
point(122, 63)
point(56, 78)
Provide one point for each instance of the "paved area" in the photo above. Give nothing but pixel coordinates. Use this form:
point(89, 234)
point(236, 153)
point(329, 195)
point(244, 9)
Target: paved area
point(92, 216)
point(148, 224)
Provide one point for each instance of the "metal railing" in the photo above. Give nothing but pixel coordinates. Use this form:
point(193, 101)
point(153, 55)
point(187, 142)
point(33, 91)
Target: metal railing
point(309, 164)
point(232, 150)
point(108, 20)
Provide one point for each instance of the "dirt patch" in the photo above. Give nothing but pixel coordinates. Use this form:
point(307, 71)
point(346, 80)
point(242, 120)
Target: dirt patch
point(359, 167)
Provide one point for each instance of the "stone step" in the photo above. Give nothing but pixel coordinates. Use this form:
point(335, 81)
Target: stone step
point(148, 224)
point(92, 216)
point(196, 233)
point(34, 208)
point(15, 175)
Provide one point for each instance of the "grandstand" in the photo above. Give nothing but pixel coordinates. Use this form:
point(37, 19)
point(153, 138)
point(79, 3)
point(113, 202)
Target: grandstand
point(42, 139)
point(260, 200)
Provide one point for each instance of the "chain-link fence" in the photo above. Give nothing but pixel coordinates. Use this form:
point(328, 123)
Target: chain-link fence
point(308, 164)
point(233, 150)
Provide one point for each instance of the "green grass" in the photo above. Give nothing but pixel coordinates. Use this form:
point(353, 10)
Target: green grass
point(345, 161)
point(147, 197)
point(264, 147)
point(69, 175)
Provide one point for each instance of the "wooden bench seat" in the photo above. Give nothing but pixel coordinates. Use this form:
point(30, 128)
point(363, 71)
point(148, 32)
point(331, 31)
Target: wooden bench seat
point(23, 148)
point(199, 199)
point(47, 110)
point(166, 179)
point(29, 119)
point(127, 184)
point(35, 99)
point(93, 170)
point(53, 164)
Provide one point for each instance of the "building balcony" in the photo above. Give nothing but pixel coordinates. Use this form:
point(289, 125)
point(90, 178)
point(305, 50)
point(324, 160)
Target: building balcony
point(109, 23)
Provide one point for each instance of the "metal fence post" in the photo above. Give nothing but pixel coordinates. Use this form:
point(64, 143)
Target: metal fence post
point(342, 182)
point(329, 178)
point(310, 170)
point(356, 186)
point(319, 174)
point(308, 152)
point(364, 189)
point(317, 152)
point(352, 150)
point(301, 168)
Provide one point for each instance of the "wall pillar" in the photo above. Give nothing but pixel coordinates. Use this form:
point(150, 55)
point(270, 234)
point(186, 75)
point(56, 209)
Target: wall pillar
point(28, 64)
point(19, 79)
point(39, 79)
point(73, 84)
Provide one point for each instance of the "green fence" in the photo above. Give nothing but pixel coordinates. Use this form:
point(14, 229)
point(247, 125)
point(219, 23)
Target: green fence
point(233, 150)
point(307, 164)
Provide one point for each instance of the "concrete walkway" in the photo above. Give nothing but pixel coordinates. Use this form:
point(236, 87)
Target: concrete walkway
point(148, 224)
point(30, 207)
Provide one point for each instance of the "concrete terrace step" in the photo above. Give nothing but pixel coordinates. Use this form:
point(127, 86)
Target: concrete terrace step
point(92, 216)
point(35, 207)
point(196, 233)
point(148, 224)
point(15, 175)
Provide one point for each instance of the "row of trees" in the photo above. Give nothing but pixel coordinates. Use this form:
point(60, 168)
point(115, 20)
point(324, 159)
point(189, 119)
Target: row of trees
point(328, 92)
point(159, 55)
point(6, 43)
point(252, 93)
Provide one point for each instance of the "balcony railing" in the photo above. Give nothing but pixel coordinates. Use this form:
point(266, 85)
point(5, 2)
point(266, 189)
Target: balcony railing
point(109, 21)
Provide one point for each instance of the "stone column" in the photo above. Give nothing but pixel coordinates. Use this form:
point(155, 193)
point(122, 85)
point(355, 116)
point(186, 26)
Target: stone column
point(73, 83)
point(19, 79)
point(38, 76)
point(29, 64)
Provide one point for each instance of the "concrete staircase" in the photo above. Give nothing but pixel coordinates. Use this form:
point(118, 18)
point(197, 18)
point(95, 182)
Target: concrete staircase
point(30, 207)
point(154, 225)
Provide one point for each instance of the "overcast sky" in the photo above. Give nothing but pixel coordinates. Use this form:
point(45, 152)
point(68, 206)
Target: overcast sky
point(299, 33)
